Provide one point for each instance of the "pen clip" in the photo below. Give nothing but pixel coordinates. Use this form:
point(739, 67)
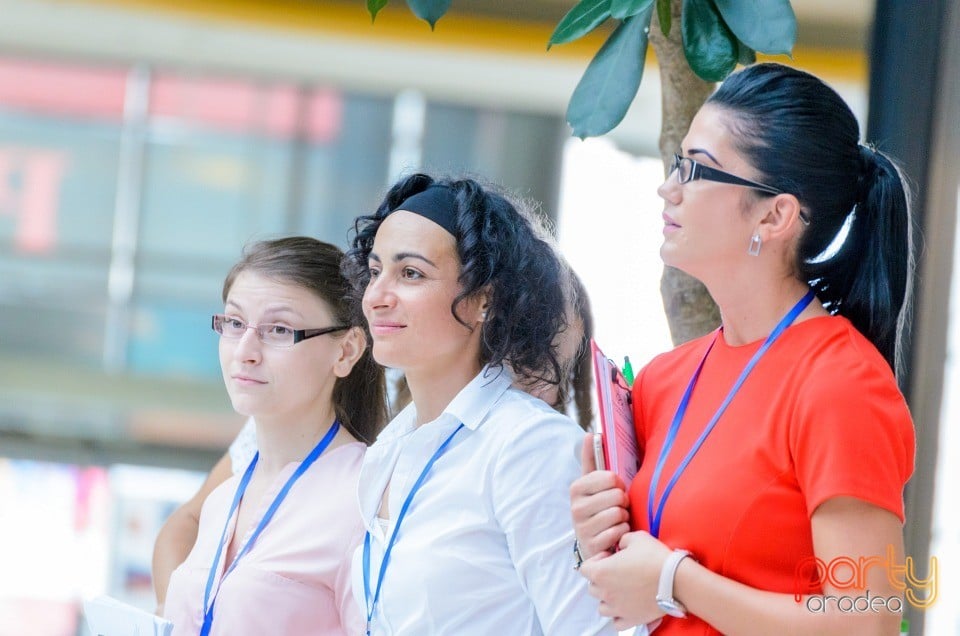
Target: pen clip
point(615, 378)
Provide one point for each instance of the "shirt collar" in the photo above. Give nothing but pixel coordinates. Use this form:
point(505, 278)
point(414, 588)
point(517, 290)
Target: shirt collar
point(470, 406)
point(474, 401)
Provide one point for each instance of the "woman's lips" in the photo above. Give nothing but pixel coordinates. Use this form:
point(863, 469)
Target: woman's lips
point(385, 328)
point(669, 225)
point(243, 380)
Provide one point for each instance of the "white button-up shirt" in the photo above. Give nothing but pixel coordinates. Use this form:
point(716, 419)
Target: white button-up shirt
point(486, 545)
point(244, 447)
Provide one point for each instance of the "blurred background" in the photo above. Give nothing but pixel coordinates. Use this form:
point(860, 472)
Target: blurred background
point(143, 142)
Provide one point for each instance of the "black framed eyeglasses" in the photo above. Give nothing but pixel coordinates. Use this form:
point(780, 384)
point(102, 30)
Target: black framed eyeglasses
point(269, 334)
point(688, 170)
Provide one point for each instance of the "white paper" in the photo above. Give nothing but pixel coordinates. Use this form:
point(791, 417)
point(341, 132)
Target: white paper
point(109, 617)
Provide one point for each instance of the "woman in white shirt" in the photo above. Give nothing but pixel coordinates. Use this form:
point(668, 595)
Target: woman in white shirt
point(464, 494)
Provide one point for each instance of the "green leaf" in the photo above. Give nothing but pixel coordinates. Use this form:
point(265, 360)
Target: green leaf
point(374, 6)
point(710, 47)
point(745, 55)
point(621, 9)
point(663, 14)
point(768, 26)
point(429, 10)
point(610, 82)
point(586, 16)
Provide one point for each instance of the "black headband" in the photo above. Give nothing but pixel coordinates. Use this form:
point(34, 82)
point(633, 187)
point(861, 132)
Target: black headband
point(437, 203)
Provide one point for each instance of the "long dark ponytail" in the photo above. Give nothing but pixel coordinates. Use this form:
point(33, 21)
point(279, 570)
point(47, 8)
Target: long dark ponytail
point(803, 139)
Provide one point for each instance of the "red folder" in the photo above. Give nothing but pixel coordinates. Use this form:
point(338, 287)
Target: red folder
point(620, 450)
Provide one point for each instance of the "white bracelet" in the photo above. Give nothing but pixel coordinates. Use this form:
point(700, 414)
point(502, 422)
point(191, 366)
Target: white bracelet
point(665, 600)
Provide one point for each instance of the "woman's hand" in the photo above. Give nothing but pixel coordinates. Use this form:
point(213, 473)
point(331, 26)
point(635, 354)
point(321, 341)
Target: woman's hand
point(626, 582)
point(598, 502)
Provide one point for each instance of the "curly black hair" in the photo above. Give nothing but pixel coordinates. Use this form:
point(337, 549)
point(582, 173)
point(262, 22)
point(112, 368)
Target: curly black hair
point(501, 255)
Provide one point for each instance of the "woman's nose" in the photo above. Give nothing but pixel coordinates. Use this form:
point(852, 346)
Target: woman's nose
point(249, 347)
point(379, 293)
point(670, 190)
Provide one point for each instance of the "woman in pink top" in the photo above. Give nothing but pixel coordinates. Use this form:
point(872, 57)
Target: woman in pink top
point(274, 545)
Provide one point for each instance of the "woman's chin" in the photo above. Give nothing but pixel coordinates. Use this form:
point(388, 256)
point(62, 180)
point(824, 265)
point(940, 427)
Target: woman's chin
point(243, 405)
point(668, 253)
point(672, 258)
point(385, 356)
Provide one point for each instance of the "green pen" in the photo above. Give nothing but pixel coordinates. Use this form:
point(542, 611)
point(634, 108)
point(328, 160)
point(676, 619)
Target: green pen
point(627, 370)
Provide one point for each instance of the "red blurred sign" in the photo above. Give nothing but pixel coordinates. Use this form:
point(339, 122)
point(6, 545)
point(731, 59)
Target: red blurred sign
point(59, 89)
point(30, 182)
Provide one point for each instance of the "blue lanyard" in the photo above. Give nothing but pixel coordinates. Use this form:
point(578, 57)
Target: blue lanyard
point(372, 603)
point(653, 518)
point(209, 602)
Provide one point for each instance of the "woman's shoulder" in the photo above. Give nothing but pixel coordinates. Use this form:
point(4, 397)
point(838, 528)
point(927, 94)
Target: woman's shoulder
point(675, 362)
point(345, 457)
point(523, 433)
point(333, 478)
point(340, 464)
point(515, 402)
point(838, 375)
point(823, 341)
point(833, 350)
point(520, 415)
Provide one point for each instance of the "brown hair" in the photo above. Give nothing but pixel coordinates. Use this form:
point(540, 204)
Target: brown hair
point(579, 374)
point(360, 398)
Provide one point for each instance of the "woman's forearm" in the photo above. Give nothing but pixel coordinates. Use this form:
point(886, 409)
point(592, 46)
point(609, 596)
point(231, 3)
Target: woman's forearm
point(740, 610)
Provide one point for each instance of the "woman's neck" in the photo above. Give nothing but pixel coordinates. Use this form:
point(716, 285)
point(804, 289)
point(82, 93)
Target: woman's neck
point(290, 438)
point(433, 390)
point(752, 307)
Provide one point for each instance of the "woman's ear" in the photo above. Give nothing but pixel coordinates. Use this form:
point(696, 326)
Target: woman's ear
point(352, 346)
point(483, 304)
point(781, 219)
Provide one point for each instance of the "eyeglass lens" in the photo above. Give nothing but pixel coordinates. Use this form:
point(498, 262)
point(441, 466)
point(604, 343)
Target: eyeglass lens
point(682, 167)
point(274, 335)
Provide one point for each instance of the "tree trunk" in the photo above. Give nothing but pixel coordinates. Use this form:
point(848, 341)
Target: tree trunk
point(690, 310)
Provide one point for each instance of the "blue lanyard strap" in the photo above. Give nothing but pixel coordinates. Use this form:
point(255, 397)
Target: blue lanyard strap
point(209, 602)
point(654, 517)
point(372, 602)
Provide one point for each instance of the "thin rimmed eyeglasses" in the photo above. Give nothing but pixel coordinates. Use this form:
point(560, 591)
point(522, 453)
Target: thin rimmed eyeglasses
point(269, 334)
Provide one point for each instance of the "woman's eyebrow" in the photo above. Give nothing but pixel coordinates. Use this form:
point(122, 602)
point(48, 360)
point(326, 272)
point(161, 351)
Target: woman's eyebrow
point(281, 309)
point(701, 151)
point(402, 255)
